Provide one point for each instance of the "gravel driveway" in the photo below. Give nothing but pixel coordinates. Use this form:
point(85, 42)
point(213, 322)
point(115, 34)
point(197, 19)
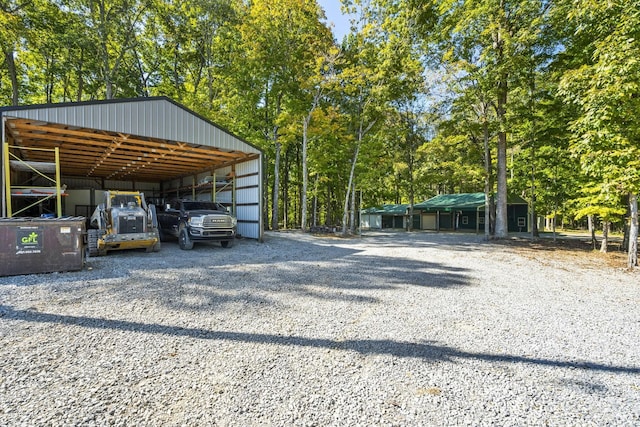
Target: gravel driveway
point(388, 329)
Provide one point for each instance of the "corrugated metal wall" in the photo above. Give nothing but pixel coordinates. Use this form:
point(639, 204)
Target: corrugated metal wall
point(249, 198)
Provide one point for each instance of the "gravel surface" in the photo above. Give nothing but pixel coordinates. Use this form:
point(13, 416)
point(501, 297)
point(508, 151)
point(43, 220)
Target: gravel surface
point(389, 329)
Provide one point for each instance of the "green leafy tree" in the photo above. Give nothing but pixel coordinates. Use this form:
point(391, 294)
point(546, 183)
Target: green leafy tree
point(465, 138)
point(14, 30)
point(543, 171)
point(490, 39)
point(502, 33)
point(114, 26)
point(279, 44)
point(313, 93)
point(605, 89)
point(383, 83)
point(362, 90)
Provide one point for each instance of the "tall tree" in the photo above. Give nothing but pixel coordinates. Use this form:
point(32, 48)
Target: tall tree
point(495, 34)
point(466, 135)
point(13, 30)
point(313, 93)
point(279, 44)
point(362, 85)
point(114, 27)
point(406, 90)
point(502, 32)
point(605, 87)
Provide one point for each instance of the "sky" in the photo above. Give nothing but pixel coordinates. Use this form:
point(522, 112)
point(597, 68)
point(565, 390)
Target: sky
point(340, 21)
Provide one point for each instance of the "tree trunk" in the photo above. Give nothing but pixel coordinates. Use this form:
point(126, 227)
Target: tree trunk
point(315, 203)
point(592, 231)
point(361, 133)
point(284, 193)
point(502, 226)
point(412, 193)
point(352, 220)
point(275, 213)
point(13, 76)
point(305, 177)
point(534, 217)
point(345, 212)
point(488, 181)
point(633, 231)
point(605, 236)
point(532, 141)
point(305, 171)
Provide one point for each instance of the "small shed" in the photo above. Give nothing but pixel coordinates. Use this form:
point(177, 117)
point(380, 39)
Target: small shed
point(465, 211)
point(388, 216)
point(385, 216)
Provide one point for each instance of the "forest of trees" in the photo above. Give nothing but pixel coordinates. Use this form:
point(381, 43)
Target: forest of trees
point(538, 98)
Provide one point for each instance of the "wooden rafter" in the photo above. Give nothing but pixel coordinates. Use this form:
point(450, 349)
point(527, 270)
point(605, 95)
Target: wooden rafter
point(23, 125)
point(110, 155)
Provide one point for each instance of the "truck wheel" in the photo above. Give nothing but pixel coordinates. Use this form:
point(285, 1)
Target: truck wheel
point(92, 242)
point(226, 243)
point(184, 240)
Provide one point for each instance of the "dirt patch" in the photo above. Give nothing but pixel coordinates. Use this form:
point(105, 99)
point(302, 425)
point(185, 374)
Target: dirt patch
point(573, 250)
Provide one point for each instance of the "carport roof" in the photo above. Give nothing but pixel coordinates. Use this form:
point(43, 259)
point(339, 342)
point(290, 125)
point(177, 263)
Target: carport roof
point(143, 139)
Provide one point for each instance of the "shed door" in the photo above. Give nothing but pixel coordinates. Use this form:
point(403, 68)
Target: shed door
point(429, 221)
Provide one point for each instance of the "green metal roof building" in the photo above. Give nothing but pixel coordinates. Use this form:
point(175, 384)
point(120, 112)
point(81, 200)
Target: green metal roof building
point(463, 211)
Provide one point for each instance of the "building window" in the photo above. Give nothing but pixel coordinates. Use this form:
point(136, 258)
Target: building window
point(522, 221)
point(481, 220)
point(465, 220)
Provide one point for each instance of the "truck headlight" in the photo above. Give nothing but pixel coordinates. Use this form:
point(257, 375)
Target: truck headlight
point(234, 221)
point(196, 221)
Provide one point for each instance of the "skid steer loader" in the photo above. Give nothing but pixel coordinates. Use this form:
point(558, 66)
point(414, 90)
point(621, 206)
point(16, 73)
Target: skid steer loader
point(123, 221)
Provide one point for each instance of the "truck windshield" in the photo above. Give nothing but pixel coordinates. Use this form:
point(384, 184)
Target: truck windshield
point(209, 206)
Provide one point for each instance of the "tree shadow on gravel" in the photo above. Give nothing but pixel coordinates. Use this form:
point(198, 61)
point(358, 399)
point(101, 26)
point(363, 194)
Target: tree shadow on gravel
point(353, 279)
point(210, 277)
point(426, 351)
point(455, 241)
point(366, 272)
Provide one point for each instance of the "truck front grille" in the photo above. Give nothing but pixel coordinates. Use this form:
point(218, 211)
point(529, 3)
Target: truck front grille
point(217, 221)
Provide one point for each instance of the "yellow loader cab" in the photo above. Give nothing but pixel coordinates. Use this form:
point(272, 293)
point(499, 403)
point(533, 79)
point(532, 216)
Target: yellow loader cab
point(123, 221)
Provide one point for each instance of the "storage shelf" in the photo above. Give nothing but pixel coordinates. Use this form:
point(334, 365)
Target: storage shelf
point(212, 185)
point(42, 169)
point(26, 166)
point(36, 192)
